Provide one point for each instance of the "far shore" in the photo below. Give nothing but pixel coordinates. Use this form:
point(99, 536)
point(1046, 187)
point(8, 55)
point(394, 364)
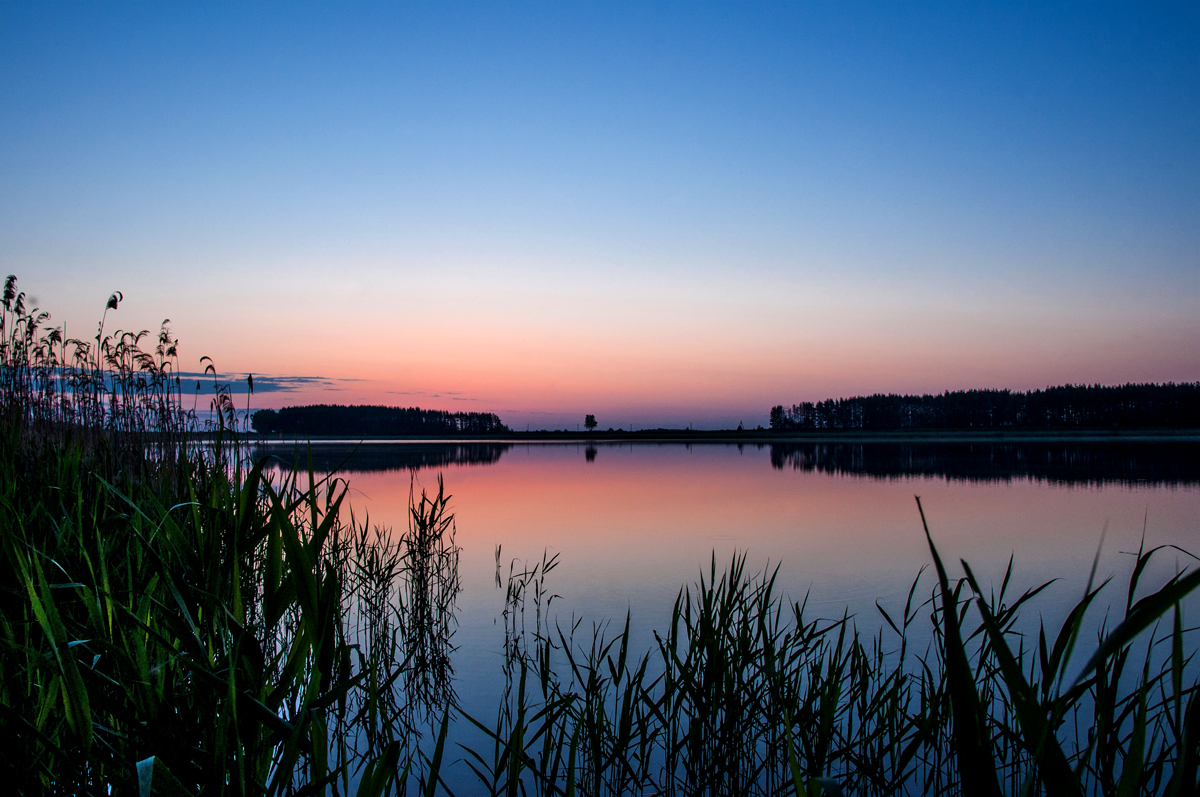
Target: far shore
point(762, 436)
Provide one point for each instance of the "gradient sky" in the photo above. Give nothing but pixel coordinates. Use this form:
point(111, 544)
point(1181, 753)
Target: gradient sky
point(658, 213)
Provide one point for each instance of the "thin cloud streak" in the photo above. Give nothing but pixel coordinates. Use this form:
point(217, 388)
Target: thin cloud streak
point(265, 383)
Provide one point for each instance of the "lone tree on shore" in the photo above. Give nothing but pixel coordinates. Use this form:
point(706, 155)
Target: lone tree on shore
point(590, 422)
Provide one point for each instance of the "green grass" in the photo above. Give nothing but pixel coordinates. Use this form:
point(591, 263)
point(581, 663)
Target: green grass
point(241, 633)
point(165, 600)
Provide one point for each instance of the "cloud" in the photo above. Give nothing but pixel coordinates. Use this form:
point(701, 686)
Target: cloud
point(453, 395)
point(265, 383)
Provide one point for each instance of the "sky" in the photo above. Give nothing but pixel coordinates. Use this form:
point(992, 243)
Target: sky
point(659, 213)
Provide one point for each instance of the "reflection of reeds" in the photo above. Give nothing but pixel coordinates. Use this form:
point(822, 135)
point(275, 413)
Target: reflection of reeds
point(744, 694)
point(430, 587)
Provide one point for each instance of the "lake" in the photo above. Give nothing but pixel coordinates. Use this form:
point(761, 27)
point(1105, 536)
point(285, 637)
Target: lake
point(633, 523)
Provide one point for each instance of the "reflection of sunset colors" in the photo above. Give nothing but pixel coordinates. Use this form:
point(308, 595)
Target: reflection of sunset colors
point(634, 525)
point(656, 214)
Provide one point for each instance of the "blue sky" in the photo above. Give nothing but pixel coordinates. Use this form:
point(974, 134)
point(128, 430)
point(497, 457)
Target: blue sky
point(662, 213)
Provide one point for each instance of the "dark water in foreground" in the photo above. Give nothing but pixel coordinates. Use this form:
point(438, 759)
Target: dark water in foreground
point(633, 523)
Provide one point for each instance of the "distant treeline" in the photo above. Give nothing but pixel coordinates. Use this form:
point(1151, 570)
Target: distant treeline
point(1171, 406)
point(373, 421)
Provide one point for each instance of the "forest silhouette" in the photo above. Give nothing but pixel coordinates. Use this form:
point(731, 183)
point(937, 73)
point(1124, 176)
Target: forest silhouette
point(1156, 406)
point(374, 421)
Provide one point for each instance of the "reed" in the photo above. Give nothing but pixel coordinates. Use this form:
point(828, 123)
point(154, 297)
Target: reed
point(744, 693)
point(165, 601)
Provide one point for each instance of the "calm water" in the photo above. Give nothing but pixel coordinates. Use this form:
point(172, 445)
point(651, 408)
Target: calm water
point(633, 523)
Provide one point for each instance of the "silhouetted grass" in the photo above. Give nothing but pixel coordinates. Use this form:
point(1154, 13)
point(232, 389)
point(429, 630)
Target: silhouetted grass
point(167, 603)
point(745, 694)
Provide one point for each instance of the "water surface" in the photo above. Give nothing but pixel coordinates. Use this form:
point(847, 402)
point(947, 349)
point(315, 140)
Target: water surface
point(632, 523)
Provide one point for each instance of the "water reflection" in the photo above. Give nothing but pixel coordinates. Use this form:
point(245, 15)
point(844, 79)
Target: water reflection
point(1128, 463)
point(428, 597)
point(1064, 463)
point(637, 522)
point(372, 456)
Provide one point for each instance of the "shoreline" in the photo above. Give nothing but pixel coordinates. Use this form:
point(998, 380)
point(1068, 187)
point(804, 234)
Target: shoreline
point(762, 437)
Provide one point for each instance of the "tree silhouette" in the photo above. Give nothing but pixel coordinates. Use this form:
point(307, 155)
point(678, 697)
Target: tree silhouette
point(590, 422)
point(1167, 406)
point(368, 420)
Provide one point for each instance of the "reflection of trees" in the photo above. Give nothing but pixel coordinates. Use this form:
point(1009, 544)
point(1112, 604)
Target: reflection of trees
point(348, 457)
point(1066, 463)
